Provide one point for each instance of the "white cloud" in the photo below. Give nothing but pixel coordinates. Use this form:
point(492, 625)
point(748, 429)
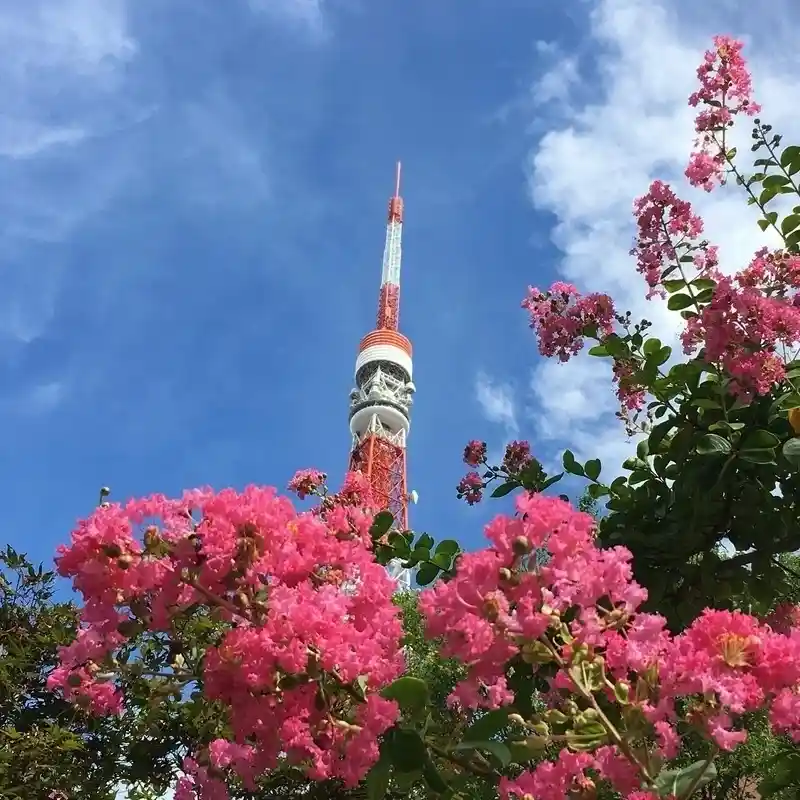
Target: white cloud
point(62, 63)
point(307, 14)
point(630, 126)
point(497, 403)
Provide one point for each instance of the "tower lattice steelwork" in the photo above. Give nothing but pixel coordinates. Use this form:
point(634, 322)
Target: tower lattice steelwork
point(380, 403)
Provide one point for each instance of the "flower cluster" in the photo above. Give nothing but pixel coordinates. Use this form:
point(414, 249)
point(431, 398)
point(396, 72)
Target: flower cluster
point(745, 330)
point(306, 482)
point(561, 316)
point(725, 90)
point(311, 635)
point(544, 594)
point(665, 226)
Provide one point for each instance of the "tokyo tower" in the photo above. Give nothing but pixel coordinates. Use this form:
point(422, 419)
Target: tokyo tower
point(380, 403)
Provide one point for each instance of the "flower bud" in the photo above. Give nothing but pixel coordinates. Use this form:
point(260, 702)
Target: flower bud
point(521, 546)
point(112, 550)
point(542, 728)
point(505, 574)
point(517, 720)
point(556, 717)
point(123, 562)
point(74, 680)
point(622, 691)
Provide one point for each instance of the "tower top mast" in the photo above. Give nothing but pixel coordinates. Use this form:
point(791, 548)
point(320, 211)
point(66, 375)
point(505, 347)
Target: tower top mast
point(389, 298)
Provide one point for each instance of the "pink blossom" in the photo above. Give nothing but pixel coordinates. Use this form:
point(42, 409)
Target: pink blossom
point(725, 91)
point(306, 482)
point(475, 453)
point(665, 225)
point(517, 456)
point(561, 316)
point(329, 612)
point(470, 487)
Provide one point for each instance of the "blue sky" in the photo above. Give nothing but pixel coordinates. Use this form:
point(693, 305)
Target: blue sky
point(192, 210)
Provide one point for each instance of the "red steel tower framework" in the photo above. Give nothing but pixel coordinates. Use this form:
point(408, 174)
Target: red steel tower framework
point(381, 401)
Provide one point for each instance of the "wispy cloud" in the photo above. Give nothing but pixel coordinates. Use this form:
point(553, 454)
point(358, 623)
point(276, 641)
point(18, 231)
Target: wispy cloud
point(307, 14)
point(497, 403)
point(632, 126)
point(62, 65)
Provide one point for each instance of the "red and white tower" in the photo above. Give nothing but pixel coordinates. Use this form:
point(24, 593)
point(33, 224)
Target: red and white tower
point(380, 404)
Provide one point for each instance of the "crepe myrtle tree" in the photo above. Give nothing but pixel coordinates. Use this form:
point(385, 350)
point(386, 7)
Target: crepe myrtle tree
point(592, 657)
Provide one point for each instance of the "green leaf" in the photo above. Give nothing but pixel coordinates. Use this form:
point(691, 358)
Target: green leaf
point(488, 725)
point(703, 284)
point(679, 301)
point(447, 547)
point(381, 524)
point(427, 573)
point(433, 778)
point(504, 488)
point(712, 444)
point(571, 465)
point(789, 154)
point(425, 540)
point(678, 781)
point(673, 286)
point(759, 439)
point(406, 749)
point(789, 223)
point(615, 346)
point(592, 469)
point(791, 451)
point(411, 694)
point(597, 490)
point(551, 480)
point(774, 181)
point(599, 351)
point(376, 783)
point(756, 456)
point(499, 750)
point(651, 347)
point(642, 449)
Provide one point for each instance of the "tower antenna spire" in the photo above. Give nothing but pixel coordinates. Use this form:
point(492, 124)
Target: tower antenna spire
point(380, 403)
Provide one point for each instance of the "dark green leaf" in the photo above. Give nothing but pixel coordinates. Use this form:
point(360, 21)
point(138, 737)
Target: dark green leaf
point(791, 451)
point(789, 154)
point(571, 465)
point(615, 346)
point(406, 749)
point(673, 286)
point(759, 439)
point(790, 223)
point(774, 181)
point(678, 781)
point(433, 778)
point(448, 547)
point(377, 781)
point(381, 524)
point(712, 444)
point(425, 540)
point(651, 347)
point(592, 469)
point(679, 301)
point(410, 693)
point(755, 456)
point(427, 573)
point(497, 749)
point(504, 488)
point(599, 351)
point(551, 480)
point(488, 725)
